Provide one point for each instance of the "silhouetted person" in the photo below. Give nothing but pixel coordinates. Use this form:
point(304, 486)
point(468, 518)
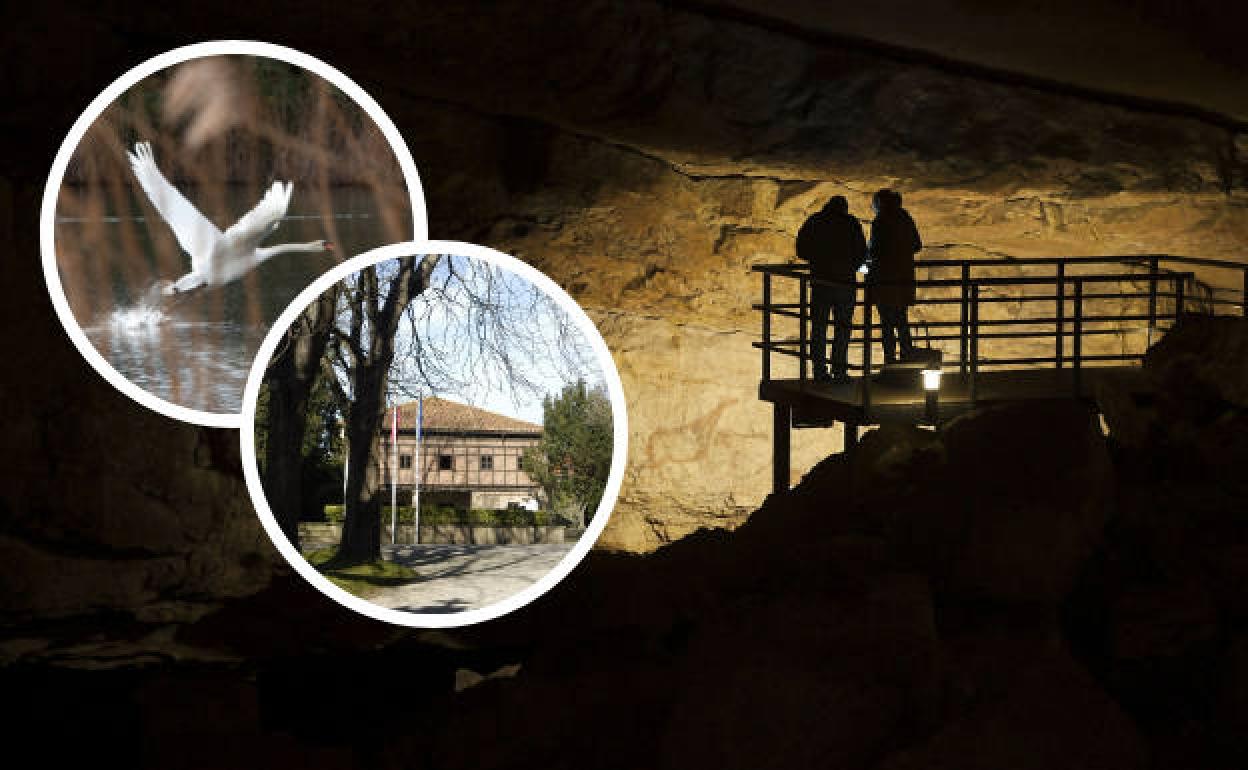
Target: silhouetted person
point(890, 265)
point(831, 241)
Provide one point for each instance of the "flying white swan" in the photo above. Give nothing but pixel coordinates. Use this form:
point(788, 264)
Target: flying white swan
point(216, 257)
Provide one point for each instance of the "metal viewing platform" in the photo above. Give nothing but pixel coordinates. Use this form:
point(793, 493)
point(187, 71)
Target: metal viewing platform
point(1006, 330)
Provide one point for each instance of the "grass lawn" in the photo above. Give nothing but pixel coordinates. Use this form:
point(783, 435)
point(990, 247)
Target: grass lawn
point(360, 579)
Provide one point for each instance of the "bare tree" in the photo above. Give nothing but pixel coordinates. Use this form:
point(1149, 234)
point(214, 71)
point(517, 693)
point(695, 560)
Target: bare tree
point(374, 307)
point(481, 329)
point(290, 378)
point(401, 329)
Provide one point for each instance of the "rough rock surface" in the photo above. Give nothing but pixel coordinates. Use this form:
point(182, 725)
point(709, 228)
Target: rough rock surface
point(815, 634)
point(645, 156)
point(656, 153)
point(654, 172)
point(1194, 410)
point(1204, 354)
point(1051, 714)
point(1004, 504)
point(862, 620)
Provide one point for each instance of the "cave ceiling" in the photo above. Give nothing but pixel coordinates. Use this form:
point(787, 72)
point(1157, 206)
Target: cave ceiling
point(1182, 53)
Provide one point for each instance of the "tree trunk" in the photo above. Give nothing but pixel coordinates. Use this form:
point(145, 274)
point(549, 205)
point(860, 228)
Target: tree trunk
point(361, 526)
point(375, 317)
point(291, 376)
point(283, 450)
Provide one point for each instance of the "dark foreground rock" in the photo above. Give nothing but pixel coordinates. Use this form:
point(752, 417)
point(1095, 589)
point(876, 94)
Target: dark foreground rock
point(1017, 590)
point(1005, 504)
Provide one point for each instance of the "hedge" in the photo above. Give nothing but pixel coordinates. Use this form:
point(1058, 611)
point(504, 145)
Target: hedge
point(446, 515)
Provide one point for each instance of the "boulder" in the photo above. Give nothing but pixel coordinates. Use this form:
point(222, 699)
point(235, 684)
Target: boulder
point(1006, 503)
point(1047, 712)
point(1195, 413)
point(1203, 359)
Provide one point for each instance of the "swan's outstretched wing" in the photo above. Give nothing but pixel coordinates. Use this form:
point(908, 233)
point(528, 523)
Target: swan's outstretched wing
point(246, 234)
point(195, 234)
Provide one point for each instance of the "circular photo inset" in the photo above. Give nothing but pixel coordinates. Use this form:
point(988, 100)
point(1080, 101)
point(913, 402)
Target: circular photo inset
point(436, 434)
point(196, 197)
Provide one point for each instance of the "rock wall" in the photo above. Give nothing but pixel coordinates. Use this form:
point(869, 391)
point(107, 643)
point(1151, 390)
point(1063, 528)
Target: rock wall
point(647, 154)
point(649, 177)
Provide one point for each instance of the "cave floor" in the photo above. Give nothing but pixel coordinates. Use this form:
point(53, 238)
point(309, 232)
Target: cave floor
point(464, 577)
point(813, 402)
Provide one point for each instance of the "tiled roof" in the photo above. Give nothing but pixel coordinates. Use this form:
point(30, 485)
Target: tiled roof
point(441, 414)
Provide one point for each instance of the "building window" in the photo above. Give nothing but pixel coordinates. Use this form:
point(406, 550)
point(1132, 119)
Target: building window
point(405, 461)
point(446, 463)
point(487, 462)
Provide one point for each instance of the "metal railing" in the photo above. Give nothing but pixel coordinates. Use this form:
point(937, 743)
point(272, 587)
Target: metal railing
point(1155, 295)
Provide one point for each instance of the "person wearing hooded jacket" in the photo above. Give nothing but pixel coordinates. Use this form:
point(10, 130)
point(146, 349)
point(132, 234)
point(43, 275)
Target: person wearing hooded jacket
point(890, 271)
point(831, 241)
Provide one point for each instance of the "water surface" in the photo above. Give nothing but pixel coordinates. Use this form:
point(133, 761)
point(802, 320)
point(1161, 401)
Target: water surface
point(197, 349)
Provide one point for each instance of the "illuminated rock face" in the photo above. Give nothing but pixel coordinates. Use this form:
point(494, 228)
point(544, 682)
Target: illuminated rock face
point(645, 157)
point(694, 151)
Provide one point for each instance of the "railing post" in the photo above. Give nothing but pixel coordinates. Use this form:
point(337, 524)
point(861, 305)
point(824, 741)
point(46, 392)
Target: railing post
point(963, 331)
point(866, 350)
point(1078, 340)
point(974, 343)
point(1179, 298)
point(1061, 313)
point(766, 327)
point(802, 352)
point(1152, 297)
point(782, 417)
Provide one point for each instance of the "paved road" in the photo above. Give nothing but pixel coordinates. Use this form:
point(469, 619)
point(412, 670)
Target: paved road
point(464, 577)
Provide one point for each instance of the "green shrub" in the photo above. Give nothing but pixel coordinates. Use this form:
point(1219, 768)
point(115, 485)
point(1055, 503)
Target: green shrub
point(446, 515)
point(439, 516)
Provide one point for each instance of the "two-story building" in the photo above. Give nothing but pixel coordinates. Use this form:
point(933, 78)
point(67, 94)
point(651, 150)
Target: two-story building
point(468, 457)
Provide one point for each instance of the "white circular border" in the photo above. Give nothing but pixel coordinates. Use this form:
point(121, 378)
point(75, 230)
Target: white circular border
point(619, 455)
point(47, 215)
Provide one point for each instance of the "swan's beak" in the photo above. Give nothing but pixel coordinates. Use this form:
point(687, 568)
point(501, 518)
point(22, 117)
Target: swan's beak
point(329, 246)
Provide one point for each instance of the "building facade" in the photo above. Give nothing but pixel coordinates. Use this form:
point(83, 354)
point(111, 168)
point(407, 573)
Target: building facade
point(467, 457)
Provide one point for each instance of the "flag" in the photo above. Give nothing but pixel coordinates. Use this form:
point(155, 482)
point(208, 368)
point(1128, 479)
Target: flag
point(420, 422)
point(394, 473)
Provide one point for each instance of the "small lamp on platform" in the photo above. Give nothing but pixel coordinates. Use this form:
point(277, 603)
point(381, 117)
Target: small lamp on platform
point(931, 389)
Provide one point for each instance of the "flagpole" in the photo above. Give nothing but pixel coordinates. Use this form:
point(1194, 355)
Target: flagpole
point(394, 472)
point(420, 421)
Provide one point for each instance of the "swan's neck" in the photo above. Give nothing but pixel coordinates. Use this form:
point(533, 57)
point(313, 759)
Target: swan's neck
point(264, 252)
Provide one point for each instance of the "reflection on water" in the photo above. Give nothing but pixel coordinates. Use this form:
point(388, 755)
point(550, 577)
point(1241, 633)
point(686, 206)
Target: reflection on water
point(196, 350)
point(170, 358)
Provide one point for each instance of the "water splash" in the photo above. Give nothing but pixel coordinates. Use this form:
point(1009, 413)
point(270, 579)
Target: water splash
point(141, 317)
point(144, 315)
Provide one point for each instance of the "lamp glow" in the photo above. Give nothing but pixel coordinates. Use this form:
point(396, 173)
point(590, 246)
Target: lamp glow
point(931, 387)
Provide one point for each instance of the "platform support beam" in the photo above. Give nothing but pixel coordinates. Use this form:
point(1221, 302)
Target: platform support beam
point(782, 421)
point(850, 438)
